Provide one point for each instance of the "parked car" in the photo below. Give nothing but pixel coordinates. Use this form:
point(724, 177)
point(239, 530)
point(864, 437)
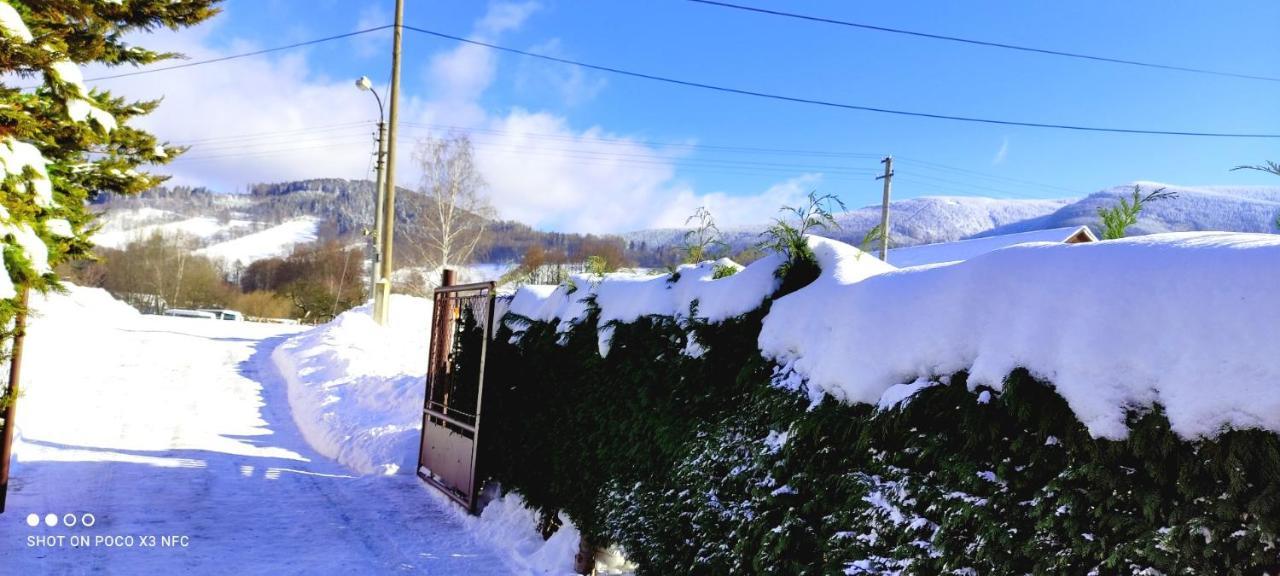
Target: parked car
point(226, 314)
point(183, 313)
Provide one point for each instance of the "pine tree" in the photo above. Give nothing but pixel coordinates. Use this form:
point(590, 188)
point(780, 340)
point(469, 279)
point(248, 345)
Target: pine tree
point(61, 143)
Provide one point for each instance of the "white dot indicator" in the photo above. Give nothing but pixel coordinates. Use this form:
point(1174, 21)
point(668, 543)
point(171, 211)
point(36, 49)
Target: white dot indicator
point(51, 520)
point(33, 520)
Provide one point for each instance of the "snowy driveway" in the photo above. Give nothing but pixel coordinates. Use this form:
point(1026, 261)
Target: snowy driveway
point(175, 435)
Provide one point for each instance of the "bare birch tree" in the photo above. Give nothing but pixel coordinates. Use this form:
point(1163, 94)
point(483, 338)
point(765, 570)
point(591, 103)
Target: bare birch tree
point(455, 222)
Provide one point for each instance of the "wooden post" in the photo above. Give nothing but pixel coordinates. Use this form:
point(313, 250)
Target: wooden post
point(884, 207)
point(584, 562)
point(10, 409)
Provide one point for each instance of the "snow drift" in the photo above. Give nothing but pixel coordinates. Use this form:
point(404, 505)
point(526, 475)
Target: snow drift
point(80, 306)
point(357, 388)
point(1185, 320)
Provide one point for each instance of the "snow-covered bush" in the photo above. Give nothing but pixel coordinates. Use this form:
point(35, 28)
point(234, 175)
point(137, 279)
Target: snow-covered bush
point(681, 442)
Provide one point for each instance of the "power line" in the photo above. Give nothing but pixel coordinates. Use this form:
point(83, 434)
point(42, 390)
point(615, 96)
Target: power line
point(268, 152)
point(231, 56)
point(983, 175)
point(696, 147)
point(831, 104)
point(575, 147)
point(956, 187)
point(241, 55)
point(497, 145)
point(273, 133)
point(650, 143)
point(250, 146)
point(985, 42)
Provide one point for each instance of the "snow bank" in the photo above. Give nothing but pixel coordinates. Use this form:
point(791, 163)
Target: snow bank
point(82, 315)
point(628, 297)
point(508, 525)
point(356, 388)
point(79, 306)
point(1186, 320)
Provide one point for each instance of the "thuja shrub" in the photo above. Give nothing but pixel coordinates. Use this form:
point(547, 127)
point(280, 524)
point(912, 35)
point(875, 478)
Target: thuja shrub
point(695, 460)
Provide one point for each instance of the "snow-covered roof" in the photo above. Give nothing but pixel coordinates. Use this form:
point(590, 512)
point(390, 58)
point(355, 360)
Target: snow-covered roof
point(966, 249)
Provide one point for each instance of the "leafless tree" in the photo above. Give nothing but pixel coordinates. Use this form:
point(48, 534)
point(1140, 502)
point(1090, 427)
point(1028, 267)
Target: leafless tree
point(456, 220)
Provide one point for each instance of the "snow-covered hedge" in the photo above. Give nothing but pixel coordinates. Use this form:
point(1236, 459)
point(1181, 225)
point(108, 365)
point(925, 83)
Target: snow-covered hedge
point(1104, 408)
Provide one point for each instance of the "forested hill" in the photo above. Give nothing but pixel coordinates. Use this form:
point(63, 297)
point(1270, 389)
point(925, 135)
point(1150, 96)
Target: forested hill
point(336, 209)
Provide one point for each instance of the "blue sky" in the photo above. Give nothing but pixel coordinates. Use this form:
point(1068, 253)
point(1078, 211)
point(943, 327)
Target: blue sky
point(545, 131)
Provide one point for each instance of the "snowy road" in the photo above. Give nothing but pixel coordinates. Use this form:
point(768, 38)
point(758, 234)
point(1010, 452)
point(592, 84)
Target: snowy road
point(179, 430)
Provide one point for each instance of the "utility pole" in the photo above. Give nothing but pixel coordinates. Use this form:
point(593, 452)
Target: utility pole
point(11, 394)
point(382, 297)
point(884, 208)
point(375, 255)
point(379, 186)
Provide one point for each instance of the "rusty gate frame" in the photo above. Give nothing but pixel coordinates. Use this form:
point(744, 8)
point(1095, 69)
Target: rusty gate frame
point(437, 423)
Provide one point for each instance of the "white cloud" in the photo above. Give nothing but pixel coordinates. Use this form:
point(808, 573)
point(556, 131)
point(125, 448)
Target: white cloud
point(745, 209)
point(504, 16)
point(374, 44)
point(280, 101)
point(570, 84)
point(1002, 153)
point(541, 169)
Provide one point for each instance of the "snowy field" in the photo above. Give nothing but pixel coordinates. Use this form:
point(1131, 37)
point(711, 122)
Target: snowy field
point(180, 429)
point(277, 240)
point(202, 228)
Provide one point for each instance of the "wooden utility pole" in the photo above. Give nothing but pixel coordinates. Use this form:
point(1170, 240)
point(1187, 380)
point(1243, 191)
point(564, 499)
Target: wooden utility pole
point(11, 394)
point(884, 208)
point(382, 299)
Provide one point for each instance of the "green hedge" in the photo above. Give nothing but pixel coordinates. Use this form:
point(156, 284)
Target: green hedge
point(675, 459)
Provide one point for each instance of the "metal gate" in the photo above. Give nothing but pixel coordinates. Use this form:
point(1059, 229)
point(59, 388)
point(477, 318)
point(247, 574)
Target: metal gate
point(462, 324)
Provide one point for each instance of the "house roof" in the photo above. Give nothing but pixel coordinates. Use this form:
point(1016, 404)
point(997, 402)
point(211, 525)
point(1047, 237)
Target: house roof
point(966, 249)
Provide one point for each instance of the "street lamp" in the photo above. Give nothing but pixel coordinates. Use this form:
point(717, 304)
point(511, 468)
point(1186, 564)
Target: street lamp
point(375, 248)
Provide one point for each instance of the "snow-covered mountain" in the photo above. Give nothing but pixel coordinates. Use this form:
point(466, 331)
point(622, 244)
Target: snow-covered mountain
point(268, 221)
point(931, 219)
point(1230, 208)
point(913, 221)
